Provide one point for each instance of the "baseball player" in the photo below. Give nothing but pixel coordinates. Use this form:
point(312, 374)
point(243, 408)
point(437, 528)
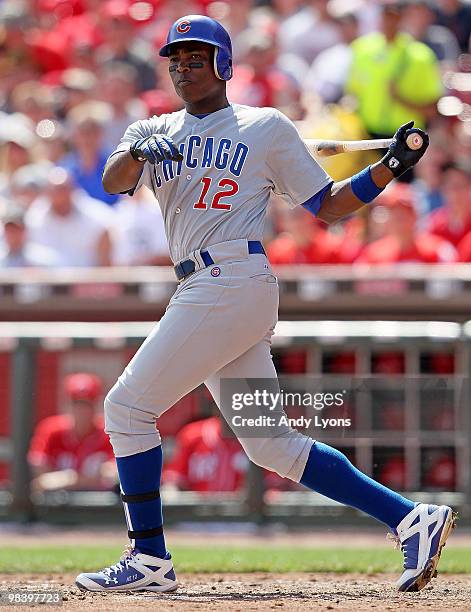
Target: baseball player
point(212, 167)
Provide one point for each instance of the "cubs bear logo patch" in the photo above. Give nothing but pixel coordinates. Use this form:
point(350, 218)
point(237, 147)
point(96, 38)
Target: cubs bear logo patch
point(215, 271)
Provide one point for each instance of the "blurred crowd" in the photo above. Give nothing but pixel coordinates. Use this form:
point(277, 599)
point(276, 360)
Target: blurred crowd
point(76, 73)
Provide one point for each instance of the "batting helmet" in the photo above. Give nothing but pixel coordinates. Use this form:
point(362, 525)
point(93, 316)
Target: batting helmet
point(206, 30)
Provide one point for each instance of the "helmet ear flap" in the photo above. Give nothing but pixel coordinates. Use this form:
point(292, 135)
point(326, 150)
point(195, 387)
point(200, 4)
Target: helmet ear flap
point(215, 63)
point(222, 64)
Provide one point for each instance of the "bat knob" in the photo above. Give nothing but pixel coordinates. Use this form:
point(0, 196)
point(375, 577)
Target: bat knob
point(414, 141)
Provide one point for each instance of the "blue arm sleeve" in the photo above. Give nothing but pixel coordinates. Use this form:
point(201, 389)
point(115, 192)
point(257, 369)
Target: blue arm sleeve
point(314, 203)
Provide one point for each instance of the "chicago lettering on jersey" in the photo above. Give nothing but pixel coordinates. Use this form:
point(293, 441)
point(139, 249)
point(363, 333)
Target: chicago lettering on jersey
point(204, 153)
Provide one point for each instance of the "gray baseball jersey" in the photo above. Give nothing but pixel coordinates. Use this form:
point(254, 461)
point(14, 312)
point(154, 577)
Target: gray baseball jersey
point(232, 159)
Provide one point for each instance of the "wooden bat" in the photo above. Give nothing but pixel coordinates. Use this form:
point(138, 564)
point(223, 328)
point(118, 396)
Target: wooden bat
point(326, 148)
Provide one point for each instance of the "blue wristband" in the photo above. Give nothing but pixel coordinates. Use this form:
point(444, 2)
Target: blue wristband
point(363, 186)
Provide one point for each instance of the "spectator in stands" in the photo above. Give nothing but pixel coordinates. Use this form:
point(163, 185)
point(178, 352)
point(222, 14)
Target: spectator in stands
point(386, 69)
point(138, 232)
point(17, 251)
point(16, 65)
point(303, 240)
point(403, 243)
point(90, 152)
point(427, 184)
point(27, 184)
point(329, 71)
point(309, 31)
point(456, 16)
point(17, 141)
point(206, 458)
point(118, 89)
point(258, 80)
point(53, 141)
point(77, 87)
point(72, 225)
point(453, 220)
point(32, 100)
point(419, 20)
point(464, 249)
point(121, 44)
point(71, 451)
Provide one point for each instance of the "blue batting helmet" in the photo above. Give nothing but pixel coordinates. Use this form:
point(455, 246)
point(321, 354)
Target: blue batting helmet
point(207, 30)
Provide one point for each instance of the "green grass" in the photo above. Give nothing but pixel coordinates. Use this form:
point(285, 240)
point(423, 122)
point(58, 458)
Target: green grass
point(55, 559)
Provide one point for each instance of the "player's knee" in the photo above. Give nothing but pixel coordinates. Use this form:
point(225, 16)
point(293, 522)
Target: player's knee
point(264, 453)
point(114, 417)
point(130, 430)
point(121, 416)
point(285, 454)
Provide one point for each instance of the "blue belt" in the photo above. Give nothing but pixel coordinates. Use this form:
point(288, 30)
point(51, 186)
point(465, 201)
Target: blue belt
point(188, 266)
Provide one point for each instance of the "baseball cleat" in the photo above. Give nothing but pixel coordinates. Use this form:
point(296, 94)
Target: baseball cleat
point(422, 534)
point(134, 572)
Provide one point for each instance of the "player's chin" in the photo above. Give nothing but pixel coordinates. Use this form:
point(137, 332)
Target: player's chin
point(190, 92)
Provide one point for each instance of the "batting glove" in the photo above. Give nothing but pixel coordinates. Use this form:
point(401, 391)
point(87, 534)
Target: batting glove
point(400, 157)
point(155, 149)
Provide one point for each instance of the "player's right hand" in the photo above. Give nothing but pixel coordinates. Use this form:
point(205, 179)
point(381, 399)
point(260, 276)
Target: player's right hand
point(155, 149)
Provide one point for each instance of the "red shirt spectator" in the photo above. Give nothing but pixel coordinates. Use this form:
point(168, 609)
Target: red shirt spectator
point(453, 221)
point(258, 80)
point(56, 445)
point(424, 248)
point(303, 241)
point(205, 461)
point(464, 248)
point(72, 451)
point(402, 244)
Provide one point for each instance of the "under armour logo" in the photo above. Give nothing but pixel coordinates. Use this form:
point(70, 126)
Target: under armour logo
point(133, 577)
point(393, 163)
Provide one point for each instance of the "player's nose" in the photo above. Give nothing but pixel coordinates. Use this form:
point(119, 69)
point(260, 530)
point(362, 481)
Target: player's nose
point(183, 66)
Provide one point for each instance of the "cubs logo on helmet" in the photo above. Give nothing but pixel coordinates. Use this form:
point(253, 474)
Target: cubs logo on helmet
point(183, 27)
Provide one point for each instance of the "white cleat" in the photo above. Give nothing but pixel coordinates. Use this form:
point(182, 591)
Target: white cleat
point(422, 535)
point(134, 572)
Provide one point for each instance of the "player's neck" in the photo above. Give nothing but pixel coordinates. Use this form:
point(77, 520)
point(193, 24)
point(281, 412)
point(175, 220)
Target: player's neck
point(207, 105)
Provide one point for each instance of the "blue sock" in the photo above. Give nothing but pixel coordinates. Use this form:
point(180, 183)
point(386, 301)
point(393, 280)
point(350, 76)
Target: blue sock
point(140, 475)
point(330, 473)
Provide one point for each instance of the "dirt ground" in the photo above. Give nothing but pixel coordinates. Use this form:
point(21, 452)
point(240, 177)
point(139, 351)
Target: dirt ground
point(259, 592)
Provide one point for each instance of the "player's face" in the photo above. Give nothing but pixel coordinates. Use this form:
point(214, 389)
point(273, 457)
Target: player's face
point(192, 73)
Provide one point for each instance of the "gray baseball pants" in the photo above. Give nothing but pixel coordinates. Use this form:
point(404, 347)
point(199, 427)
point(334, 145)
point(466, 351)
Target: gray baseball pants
point(218, 324)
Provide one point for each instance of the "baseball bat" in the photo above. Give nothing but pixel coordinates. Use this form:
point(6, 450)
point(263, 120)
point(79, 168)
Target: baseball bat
point(326, 148)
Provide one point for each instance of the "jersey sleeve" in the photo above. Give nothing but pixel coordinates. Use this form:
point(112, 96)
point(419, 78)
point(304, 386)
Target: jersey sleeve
point(294, 173)
point(137, 130)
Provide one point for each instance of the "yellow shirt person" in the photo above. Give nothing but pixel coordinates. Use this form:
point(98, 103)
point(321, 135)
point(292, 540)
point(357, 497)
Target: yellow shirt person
point(392, 81)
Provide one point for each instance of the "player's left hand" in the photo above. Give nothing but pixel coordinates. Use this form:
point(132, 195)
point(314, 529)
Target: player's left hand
point(155, 149)
point(400, 157)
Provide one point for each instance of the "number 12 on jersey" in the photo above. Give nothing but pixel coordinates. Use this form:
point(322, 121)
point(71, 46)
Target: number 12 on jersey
point(228, 188)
